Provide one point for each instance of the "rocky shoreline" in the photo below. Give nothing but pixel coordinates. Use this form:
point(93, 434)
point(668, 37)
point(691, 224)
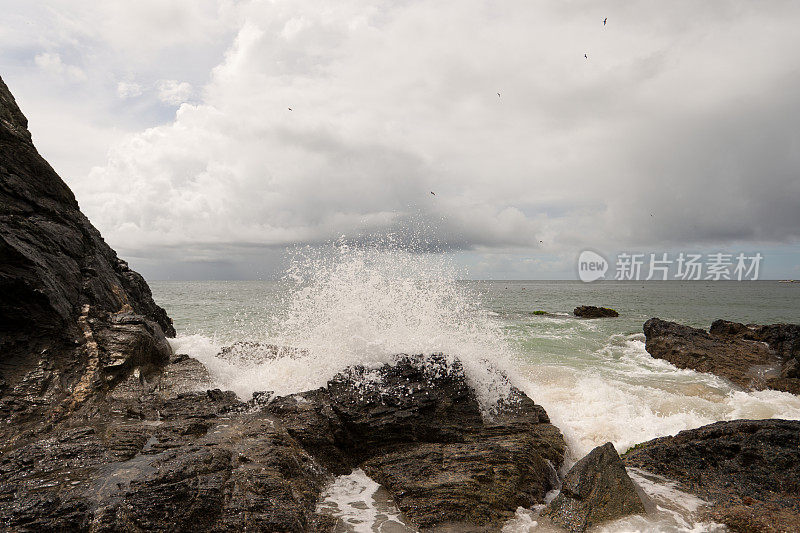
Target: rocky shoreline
point(105, 429)
point(751, 356)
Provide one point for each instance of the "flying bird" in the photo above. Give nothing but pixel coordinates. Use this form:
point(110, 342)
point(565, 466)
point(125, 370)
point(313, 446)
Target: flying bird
point(290, 109)
point(433, 193)
point(498, 95)
point(584, 55)
point(605, 20)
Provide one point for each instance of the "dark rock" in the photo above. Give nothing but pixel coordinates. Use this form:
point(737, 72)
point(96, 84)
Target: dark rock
point(150, 455)
point(72, 314)
point(590, 311)
point(416, 427)
point(748, 469)
point(153, 458)
point(597, 489)
point(783, 339)
point(749, 356)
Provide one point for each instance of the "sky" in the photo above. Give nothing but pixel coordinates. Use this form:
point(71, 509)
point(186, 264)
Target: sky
point(205, 137)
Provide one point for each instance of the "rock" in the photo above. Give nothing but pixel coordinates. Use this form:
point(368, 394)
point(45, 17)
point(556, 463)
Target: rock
point(148, 454)
point(783, 339)
point(748, 469)
point(597, 489)
point(72, 314)
point(416, 427)
point(590, 311)
point(750, 356)
point(153, 458)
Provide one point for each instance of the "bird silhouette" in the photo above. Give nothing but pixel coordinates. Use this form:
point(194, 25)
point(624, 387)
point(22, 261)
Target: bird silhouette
point(584, 55)
point(290, 108)
point(605, 20)
point(498, 95)
point(433, 193)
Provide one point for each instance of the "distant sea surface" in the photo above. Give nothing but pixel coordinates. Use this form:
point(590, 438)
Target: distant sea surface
point(593, 377)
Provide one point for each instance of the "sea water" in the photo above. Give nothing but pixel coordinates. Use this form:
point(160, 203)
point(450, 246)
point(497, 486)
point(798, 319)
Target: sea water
point(341, 306)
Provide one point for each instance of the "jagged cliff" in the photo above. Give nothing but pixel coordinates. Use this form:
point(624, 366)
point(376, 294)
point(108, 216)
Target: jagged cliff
point(73, 316)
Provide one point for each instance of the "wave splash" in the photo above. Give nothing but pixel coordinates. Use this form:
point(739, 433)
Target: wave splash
point(345, 305)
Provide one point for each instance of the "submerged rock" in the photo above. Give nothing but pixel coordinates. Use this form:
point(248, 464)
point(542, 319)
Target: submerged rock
point(590, 311)
point(597, 489)
point(748, 469)
point(750, 356)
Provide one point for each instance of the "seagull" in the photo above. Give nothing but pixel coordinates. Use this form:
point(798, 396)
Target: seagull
point(605, 20)
point(433, 193)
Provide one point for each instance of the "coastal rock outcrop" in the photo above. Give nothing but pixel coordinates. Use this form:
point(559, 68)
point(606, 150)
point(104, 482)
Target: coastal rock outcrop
point(595, 490)
point(751, 356)
point(417, 428)
point(73, 316)
point(590, 311)
point(748, 469)
point(156, 453)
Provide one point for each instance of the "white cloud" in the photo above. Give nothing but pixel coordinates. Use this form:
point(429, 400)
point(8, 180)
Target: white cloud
point(674, 115)
point(127, 89)
point(52, 64)
point(173, 92)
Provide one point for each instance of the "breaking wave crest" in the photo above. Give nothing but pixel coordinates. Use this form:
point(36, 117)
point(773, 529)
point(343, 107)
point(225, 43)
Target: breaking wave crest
point(345, 305)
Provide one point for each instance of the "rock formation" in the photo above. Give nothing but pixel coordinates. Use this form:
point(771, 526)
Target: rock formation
point(590, 311)
point(156, 454)
point(73, 317)
point(419, 431)
point(596, 489)
point(750, 356)
point(748, 469)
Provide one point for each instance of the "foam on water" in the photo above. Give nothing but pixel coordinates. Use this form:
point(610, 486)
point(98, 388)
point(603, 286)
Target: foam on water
point(628, 397)
point(362, 506)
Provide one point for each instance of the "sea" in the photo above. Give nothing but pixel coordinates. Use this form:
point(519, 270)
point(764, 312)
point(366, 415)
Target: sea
point(344, 306)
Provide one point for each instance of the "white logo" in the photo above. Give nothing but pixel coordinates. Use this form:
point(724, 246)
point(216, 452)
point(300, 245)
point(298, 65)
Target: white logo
point(591, 266)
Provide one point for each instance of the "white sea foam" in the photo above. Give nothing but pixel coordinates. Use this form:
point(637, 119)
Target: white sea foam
point(361, 505)
point(628, 397)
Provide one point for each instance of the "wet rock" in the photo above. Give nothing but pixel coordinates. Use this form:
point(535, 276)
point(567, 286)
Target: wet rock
point(750, 356)
point(748, 469)
point(417, 428)
point(72, 314)
point(149, 458)
point(590, 311)
point(597, 489)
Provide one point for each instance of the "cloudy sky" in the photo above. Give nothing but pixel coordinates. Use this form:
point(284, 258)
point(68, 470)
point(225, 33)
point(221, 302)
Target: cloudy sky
point(677, 131)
